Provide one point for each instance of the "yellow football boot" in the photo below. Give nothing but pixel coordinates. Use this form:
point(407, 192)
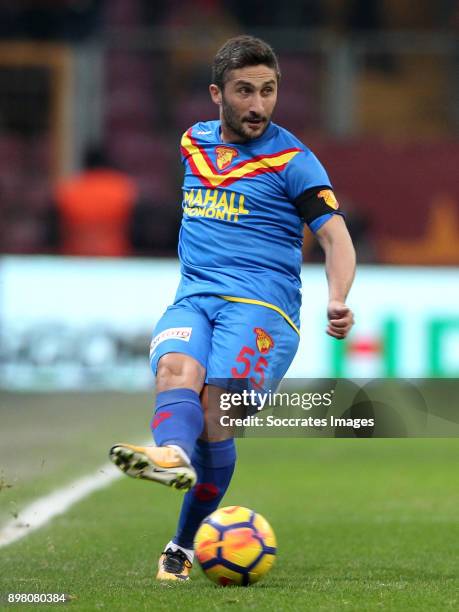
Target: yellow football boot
point(174, 565)
point(162, 464)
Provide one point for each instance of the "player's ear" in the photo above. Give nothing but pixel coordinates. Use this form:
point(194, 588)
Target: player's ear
point(215, 94)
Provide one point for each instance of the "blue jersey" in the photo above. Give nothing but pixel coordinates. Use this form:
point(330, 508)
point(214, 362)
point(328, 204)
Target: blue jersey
point(241, 234)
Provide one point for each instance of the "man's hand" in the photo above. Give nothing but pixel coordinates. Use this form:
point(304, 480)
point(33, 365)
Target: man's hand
point(340, 319)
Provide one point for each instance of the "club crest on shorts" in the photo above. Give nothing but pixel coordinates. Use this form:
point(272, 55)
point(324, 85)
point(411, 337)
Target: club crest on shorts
point(329, 197)
point(225, 156)
point(264, 341)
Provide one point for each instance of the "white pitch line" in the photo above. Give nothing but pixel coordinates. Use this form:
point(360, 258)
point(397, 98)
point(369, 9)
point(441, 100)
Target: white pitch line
point(42, 510)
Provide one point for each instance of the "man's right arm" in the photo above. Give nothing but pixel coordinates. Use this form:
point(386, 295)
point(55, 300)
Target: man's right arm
point(336, 242)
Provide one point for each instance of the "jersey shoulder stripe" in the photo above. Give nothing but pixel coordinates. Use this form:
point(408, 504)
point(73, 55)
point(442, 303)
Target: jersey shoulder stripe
point(202, 166)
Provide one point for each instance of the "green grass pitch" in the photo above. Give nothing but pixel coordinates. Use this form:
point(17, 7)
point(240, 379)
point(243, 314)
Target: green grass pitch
point(361, 524)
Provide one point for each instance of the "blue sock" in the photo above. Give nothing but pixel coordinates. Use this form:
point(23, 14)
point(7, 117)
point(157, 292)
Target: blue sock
point(214, 463)
point(178, 419)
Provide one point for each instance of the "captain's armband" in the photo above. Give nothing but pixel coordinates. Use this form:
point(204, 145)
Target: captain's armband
point(316, 205)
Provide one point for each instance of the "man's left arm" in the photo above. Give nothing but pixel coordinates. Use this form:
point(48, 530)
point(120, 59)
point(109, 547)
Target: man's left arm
point(336, 242)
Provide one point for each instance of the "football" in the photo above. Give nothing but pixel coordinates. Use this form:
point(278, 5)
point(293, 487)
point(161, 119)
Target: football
point(235, 546)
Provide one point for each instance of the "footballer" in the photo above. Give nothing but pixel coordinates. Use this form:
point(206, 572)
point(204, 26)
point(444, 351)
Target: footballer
point(249, 188)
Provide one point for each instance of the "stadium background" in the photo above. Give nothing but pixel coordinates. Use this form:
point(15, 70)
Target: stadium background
point(373, 88)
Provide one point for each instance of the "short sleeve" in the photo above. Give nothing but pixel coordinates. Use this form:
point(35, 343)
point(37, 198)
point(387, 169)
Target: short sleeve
point(303, 172)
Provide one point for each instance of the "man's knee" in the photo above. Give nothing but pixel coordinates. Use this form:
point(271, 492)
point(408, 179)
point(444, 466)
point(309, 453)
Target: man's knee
point(176, 370)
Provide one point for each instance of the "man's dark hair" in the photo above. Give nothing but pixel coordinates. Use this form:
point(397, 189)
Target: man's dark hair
point(239, 52)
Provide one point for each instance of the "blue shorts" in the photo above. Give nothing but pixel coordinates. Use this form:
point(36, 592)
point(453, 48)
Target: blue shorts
point(232, 340)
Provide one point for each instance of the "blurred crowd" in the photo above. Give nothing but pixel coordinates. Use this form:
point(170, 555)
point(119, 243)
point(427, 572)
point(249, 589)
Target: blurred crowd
point(74, 20)
point(151, 96)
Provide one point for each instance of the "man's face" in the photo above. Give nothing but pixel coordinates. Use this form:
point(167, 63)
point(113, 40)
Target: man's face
point(246, 102)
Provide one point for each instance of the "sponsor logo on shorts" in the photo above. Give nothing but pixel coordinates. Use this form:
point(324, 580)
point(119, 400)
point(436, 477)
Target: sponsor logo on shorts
point(329, 197)
point(264, 341)
point(172, 333)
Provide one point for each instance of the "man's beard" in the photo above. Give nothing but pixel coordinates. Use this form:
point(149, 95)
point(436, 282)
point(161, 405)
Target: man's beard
point(237, 126)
